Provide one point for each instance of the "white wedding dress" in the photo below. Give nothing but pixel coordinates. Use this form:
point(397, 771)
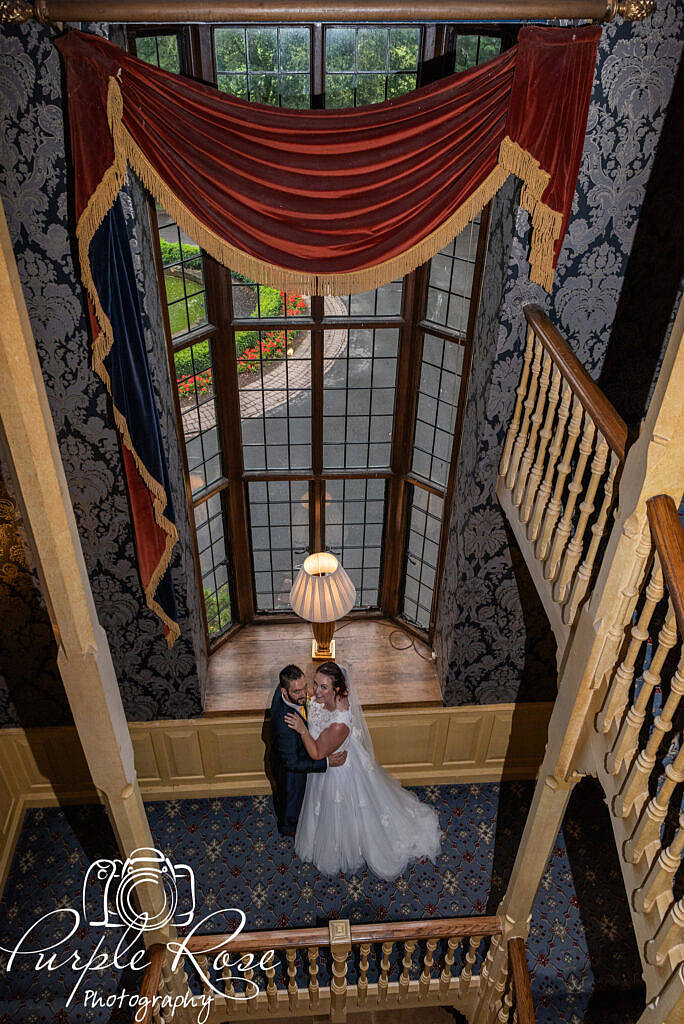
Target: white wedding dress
point(359, 814)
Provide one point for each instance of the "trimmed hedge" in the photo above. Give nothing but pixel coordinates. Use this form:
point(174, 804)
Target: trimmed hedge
point(271, 305)
point(171, 253)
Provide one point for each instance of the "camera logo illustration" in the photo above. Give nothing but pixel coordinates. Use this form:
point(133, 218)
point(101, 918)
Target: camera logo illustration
point(122, 880)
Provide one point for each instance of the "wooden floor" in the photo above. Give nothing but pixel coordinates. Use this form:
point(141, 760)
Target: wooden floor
point(386, 664)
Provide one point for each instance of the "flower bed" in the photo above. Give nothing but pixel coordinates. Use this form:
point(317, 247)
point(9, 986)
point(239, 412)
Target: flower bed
point(252, 347)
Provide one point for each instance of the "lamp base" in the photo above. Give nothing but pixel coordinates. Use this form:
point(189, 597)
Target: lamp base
point(320, 653)
point(323, 646)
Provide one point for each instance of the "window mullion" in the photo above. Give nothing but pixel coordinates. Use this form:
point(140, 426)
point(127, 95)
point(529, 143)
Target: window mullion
point(408, 370)
point(317, 90)
point(201, 49)
point(228, 409)
point(317, 366)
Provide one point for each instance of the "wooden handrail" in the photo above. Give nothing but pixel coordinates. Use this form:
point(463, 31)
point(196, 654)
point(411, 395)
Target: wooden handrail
point(668, 537)
point(151, 981)
point(602, 412)
point(521, 981)
point(256, 942)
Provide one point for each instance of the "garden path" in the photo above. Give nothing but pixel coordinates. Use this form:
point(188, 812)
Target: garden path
point(285, 380)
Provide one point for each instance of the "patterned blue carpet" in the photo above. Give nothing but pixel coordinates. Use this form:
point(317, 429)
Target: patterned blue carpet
point(581, 951)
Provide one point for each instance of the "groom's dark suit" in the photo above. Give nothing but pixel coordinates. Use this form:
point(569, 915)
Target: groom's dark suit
point(290, 764)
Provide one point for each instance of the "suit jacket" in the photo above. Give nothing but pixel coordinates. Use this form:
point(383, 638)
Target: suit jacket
point(290, 764)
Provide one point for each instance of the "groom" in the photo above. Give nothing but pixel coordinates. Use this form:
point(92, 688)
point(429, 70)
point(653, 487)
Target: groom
point(289, 760)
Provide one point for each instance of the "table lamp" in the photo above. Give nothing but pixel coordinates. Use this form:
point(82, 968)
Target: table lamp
point(322, 593)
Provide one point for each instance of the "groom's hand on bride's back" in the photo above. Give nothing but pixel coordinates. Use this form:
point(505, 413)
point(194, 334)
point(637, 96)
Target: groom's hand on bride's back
point(337, 759)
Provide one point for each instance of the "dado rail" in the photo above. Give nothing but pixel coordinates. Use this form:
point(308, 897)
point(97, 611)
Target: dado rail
point(342, 968)
point(565, 445)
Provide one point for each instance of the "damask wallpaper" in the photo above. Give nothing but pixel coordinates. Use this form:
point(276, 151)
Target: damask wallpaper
point(155, 682)
point(491, 643)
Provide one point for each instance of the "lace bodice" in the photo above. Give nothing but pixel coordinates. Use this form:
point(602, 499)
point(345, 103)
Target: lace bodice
point(319, 718)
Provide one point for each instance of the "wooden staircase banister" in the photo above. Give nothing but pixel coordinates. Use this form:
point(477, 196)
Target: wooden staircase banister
point(151, 981)
point(300, 938)
point(601, 410)
point(561, 462)
point(600, 533)
point(668, 537)
point(522, 987)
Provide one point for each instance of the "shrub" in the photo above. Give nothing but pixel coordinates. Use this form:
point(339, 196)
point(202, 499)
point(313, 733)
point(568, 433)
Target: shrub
point(171, 253)
point(215, 604)
point(184, 360)
point(198, 376)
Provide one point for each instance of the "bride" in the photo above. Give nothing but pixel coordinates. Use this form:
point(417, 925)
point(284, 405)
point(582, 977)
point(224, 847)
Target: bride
point(357, 814)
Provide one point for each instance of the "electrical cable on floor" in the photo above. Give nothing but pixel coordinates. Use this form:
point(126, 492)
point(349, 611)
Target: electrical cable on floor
point(412, 642)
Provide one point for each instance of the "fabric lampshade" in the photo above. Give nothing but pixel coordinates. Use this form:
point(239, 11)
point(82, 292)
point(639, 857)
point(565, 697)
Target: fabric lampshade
point(322, 591)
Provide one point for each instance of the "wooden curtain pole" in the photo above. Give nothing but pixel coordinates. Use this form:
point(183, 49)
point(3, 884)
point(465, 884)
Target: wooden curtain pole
point(241, 11)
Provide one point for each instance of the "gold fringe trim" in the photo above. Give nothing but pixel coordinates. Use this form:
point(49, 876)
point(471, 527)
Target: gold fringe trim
point(546, 229)
point(281, 277)
point(546, 225)
point(96, 210)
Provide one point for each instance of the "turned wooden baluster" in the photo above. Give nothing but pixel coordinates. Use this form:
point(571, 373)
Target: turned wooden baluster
point(504, 1013)
point(227, 979)
point(470, 958)
point(383, 980)
point(165, 988)
point(426, 976)
point(564, 527)
point(626, 741)
point(446, 976)
point(573, 551)
point(581, 582)
point(406, 964)
point(535, 423)
point(271, 989)
point(520, 392)
point(654, 813)
point(554, 506)
point(292, 993)
point(544, 492)
point(528, 405)
point(635, 789)
point(535, 474)
point(660, 878)
point(250, 990)
point(314, 994)
point(362, 986)
point(668, 935)
point(340, 947)
point(487, 980)
point(203, 965)
point(616, 699)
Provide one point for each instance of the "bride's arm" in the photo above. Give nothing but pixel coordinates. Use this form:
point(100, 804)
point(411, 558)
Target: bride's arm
point(329, 740)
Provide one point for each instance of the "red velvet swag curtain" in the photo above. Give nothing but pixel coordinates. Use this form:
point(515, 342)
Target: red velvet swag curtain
point(329, 201)
point(333, 201)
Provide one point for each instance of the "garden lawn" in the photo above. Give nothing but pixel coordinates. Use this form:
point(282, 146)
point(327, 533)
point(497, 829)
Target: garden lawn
point(177, 315)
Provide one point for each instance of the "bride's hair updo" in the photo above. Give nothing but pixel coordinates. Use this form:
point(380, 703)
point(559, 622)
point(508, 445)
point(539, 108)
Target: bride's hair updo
point(336, 677)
